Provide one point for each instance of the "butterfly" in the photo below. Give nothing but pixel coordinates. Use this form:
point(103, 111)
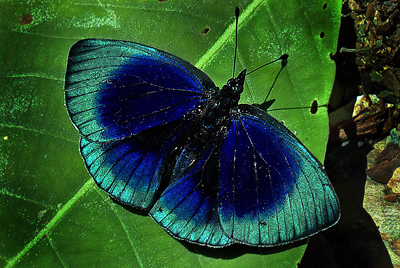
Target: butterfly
point(157, 134)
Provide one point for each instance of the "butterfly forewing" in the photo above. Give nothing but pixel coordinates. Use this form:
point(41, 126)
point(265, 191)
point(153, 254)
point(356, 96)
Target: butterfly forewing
point(115, 89)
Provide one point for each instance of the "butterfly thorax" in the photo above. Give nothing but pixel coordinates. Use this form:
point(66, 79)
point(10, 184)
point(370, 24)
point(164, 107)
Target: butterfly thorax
point(215, 115)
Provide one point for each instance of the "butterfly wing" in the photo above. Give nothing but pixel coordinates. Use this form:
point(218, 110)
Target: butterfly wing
point(128, 101)
point(114, 89)
point(126, 170)
point(187, 209)
point(272, 190)
point(131, 169)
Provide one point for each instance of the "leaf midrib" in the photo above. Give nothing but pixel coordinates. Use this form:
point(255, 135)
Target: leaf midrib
point(228, 35)
point(52, 223)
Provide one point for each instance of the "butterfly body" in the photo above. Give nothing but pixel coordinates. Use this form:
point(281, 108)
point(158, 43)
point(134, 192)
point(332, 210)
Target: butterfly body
point(213, 116)
point(157, 134)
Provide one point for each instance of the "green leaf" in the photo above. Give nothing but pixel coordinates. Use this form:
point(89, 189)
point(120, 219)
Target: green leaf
point(52, 214)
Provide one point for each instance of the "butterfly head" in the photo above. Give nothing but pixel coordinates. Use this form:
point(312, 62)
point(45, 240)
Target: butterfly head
point(234, 86)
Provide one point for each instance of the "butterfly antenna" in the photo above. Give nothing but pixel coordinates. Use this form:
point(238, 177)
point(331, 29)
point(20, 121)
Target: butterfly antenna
point(284, 58)
point(236, 40)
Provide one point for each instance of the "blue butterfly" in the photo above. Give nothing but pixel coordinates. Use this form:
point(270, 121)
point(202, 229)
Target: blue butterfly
point(157, 134)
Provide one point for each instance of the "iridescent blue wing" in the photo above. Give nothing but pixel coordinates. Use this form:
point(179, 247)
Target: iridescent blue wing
point(131, 169)
point(272, 190)
point(126, 170)
point(115, 89)
point(128, 101)
point(187, 209)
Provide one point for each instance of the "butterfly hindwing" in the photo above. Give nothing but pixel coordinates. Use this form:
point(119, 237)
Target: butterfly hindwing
point(272, 191)
point(124, 169)
point(187, 209)
point(115, 89)
point(132, 170)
